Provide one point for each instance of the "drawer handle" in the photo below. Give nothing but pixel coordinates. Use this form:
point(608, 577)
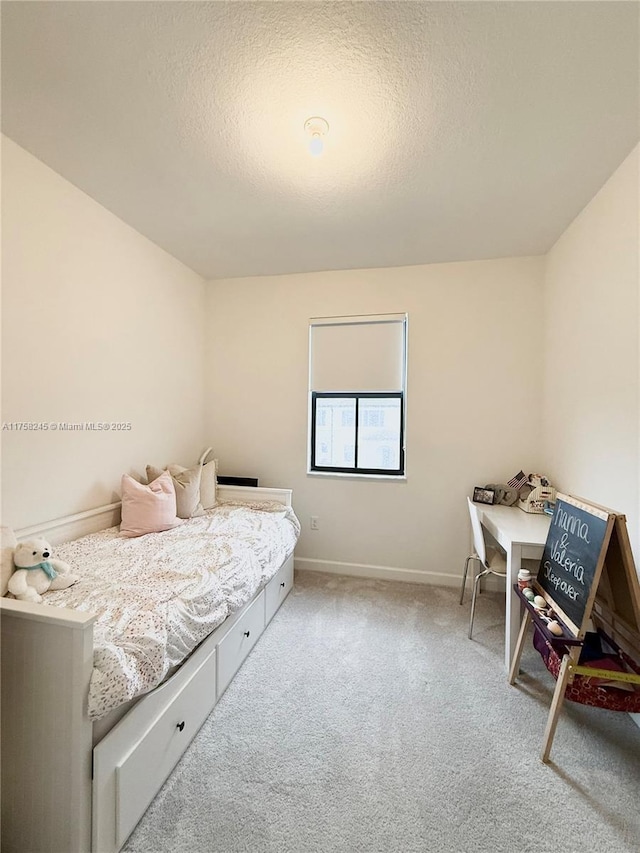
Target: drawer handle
point(180, 726)
point(282, 584)
point(246, 633)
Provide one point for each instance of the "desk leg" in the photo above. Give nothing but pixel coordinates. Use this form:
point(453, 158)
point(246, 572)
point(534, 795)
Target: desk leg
point(512, 617)
point(515, 665)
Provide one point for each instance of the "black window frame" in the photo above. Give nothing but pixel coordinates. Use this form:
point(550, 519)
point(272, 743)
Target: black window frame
point(357, 395)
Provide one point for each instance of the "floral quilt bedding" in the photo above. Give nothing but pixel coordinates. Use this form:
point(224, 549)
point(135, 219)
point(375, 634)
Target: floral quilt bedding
point(158, 596)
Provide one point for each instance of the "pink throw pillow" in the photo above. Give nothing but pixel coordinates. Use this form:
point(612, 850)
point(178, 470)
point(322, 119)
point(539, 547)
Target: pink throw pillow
point(148, 509)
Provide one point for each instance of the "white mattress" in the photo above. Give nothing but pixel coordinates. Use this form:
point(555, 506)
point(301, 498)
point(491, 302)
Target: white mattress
point(158, 596)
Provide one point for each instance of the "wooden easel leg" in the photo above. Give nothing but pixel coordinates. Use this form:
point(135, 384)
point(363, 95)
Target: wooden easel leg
point(515, 663)
point(556, 706)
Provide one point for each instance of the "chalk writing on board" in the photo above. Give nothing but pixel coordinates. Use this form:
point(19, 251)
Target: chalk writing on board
point(560, 557)
point(570, 558)
point(572, 524)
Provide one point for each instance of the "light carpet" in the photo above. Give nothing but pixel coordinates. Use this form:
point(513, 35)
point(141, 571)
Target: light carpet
point(365, 720)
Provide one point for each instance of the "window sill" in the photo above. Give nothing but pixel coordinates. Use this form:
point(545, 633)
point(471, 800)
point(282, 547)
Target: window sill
point(394, 478)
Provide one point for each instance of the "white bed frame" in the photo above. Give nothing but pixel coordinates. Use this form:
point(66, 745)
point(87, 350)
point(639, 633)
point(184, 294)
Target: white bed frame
point(66, 786)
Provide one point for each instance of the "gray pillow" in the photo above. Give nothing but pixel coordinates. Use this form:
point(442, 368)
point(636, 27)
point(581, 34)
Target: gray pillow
point(187, 485)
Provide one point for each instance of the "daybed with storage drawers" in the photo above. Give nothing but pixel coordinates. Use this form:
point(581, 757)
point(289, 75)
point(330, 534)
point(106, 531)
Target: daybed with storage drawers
point(77, 773)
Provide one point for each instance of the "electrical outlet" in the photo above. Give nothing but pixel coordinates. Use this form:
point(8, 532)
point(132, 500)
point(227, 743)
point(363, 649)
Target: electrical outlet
point(315, 522)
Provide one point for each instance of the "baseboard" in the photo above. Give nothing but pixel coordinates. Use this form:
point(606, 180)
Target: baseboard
point(392, 573)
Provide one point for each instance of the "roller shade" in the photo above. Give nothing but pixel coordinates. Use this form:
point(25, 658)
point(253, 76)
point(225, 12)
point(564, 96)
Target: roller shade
point(357, 353)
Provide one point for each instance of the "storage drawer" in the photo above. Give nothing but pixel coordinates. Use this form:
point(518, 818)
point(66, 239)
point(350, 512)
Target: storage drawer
point(238, 642)
point(278, 589)
point(140, 775)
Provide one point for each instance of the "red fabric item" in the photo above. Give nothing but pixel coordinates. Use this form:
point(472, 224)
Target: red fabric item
point(587, 690)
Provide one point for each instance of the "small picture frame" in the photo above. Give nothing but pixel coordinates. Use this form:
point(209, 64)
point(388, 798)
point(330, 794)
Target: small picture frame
point(483, 496)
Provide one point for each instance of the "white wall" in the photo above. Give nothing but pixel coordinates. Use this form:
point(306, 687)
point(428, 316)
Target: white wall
point(592, 372)
point(98, 324)
point(474, 395)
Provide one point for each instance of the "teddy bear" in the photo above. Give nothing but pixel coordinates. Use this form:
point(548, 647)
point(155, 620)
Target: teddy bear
point(36, 573)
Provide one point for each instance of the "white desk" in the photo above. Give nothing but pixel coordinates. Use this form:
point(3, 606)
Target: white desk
point(522, 535)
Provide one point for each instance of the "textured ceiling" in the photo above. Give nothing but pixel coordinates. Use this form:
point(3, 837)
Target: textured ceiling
point(458, 130)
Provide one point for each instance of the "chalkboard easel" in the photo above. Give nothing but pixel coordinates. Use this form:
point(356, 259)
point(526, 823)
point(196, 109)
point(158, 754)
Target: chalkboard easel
point(588, 577)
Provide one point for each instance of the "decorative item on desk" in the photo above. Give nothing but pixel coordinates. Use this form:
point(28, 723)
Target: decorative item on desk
point(536, 480)
point(549, 507)
point(505, 495)
point(483, 496)
point(536, 493)
point(518, 480)
point(495, 493)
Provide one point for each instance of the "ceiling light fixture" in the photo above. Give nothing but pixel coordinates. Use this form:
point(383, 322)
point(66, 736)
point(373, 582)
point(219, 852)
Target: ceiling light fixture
point(316, 128)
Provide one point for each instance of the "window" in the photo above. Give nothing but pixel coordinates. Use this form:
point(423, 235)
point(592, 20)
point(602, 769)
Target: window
point(357, 395)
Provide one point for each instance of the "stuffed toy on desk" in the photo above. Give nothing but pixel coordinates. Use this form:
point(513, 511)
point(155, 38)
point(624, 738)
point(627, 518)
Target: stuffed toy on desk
point(35, 571)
